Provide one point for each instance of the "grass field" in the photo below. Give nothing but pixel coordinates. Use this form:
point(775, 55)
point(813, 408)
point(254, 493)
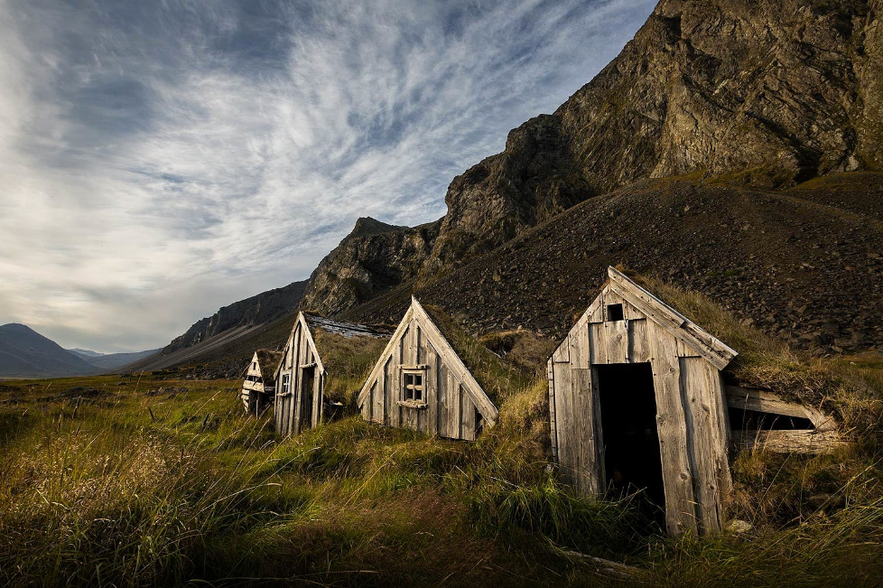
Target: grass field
point(158, 480)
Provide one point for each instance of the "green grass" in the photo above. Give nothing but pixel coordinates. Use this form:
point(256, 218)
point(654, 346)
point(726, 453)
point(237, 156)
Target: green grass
point(152, 482)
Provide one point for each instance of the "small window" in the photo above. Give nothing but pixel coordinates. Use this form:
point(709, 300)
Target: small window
point(286, 382)
point(412, 388)
point(615, 312)
point(254, 365)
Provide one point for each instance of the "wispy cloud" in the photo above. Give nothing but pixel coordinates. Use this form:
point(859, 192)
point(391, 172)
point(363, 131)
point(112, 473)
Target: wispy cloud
point(160, 159)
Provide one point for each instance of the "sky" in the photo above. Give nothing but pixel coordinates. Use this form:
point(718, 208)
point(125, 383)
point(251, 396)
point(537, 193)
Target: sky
point(162, 158)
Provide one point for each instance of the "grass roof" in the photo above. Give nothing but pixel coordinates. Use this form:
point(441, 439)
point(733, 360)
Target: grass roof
point(495, 375)
point(767, 363)
point(347, 361)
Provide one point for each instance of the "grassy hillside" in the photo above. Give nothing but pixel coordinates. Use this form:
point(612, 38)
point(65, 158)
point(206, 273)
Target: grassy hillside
point(128, 482)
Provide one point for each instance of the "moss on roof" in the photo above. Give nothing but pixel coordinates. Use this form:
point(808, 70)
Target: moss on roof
point(767, 363)
point(268, 361)
point(347, 359)
point(496, 376)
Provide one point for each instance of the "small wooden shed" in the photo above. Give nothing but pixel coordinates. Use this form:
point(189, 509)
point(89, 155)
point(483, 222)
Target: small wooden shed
point(420, 382)
point(258, 388)
point(302, 375)
point(637, 401)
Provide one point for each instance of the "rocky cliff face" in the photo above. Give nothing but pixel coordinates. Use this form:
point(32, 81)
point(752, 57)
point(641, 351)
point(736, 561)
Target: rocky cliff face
point(372, 259)
point(764, 93)
point(256, 310)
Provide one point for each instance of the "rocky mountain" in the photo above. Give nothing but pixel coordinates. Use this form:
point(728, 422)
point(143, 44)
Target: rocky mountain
point(25, 353)
point(762, 93)
point(809, 273)
point(372, 259)
point(110, 361)
point(260, 309)
point(732, 147)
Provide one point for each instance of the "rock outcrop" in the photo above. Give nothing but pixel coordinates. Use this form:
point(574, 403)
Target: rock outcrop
point(762, 93)
point(373, 258)
point(256, 310)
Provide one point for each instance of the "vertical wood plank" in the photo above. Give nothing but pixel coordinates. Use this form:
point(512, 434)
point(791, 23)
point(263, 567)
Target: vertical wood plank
point(583, 430)
point(567, 460)
point(695, 383)
point(677, 474)
point(429, 424)
point(616, 336)
point(598, 341)
point(553, 429)
point(467, 417)
point(378, 397)
point(293, 414)
point(639, 348)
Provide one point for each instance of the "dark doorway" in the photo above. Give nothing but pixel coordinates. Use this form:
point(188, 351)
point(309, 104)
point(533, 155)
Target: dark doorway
point(751, 420)
point(307, 380)
point(630, 441)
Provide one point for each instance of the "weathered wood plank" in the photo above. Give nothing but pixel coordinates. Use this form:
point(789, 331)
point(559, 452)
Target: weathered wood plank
point(677, 472)
point(616, 335)
point(467, 417)
point(595, 312)
point(813, 442)
point(685, 350)
point(701, 433)
point(583, 431)
point(553, 429)
point(639, 347)
point(562, 353)
point(387, 352)
point(578, 339)
point(567, 459)
point(763, 401)
point(705, 344)
point(429, 420)
point(598, 344)
point(450, 408)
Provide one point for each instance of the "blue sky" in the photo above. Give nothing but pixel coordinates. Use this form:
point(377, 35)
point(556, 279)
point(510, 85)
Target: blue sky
point(162, 158)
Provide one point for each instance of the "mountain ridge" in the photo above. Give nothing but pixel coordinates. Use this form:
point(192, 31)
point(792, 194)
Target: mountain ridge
point(25, 353)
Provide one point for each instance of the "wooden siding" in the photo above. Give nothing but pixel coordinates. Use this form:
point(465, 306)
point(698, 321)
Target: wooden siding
point(690, 404)
point(455, 405)
point(252, 394)
point(299, 356)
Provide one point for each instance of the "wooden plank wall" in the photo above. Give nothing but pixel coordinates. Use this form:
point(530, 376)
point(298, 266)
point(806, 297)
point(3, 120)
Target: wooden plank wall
point(299, 352)
point(690, 403)
point(449, 411)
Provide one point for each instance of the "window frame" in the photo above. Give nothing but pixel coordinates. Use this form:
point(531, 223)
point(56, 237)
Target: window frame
point(286, 385)
point(411, 400)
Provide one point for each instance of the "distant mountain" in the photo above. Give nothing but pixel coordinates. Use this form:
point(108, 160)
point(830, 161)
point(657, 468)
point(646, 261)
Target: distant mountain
point(109, 361)
point(84, 353)
point(24, 353)
point(231, 325)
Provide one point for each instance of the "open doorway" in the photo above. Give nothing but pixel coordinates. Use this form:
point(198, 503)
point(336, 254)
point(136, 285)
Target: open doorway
point(308, 378)
point(630, 441)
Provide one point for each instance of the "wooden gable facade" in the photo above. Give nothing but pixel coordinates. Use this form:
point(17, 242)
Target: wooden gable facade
point(302, 373)
point(637, 401)
point(258, 388)
point(421, 383)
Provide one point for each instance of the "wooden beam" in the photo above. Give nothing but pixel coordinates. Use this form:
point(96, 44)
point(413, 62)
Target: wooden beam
point(814, 441)
point(763, 401)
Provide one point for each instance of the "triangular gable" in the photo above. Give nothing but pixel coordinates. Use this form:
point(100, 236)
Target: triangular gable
point(680, 327)
point(301, 322)
point(449, 357)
